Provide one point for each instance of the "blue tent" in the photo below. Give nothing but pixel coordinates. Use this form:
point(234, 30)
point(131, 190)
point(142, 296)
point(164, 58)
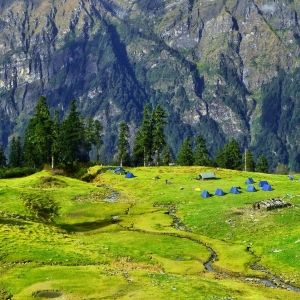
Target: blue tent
point(249, 181)
point(267, 187)
point(118, 169)
point(219, 192)
point(250, 188)
point(262, 183)
point(234, 190)
point(205, 194)
point(129, 175)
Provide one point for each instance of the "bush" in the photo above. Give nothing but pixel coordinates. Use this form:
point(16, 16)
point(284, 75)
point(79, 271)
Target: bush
point(17, 172)
point(41, 207)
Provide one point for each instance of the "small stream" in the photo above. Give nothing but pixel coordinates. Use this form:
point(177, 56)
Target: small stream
point(269, 281)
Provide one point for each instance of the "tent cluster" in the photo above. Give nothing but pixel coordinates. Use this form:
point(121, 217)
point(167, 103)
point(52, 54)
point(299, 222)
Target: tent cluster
point(235, 190)
point(121, 171)
point(219, 192)
point(264, 185)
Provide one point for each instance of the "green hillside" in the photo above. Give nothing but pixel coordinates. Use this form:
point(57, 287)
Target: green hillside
point(140, 238)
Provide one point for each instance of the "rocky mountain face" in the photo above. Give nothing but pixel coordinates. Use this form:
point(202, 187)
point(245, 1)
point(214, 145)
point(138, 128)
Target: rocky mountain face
point(222, 69)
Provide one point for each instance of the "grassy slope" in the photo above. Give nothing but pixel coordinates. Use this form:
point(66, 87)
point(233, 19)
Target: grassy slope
point(86, 255)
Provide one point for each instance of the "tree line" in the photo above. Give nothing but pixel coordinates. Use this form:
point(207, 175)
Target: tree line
point(50, 140)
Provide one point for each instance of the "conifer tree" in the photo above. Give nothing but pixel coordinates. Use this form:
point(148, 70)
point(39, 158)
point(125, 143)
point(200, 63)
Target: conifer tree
point(122, 142)
point(167, 156)
point(38, 136)
point(138, 150)
point(2, 157)
point(16, 157)
point(55, 151)
point(71, 136)
point(185, 155)
point(233, 155)
point(220, 159)
point(158, 134)
point(262, 165)
point(89, 134)
point(201, 154)
point(97, 138)
point(145, 135)
point(249, 162)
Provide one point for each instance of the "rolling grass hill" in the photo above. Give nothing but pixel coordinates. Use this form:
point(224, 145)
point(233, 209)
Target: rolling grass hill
point(140, 238)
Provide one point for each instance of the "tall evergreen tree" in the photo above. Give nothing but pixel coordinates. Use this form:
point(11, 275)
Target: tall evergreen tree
point(97, 138)
point(2, 157)
point(158, 134)
point(122, 142)
point(89, 134)
point(262, 165)
point(55, 151)
point(233, 155)
point(220, 159)
point(249, 162)
point(138, 150)
point(201, 154)
point(167, 156)
point(71, 136)
point(145, 135)
point(185, 155)
point(16, 157)
point(38, 136)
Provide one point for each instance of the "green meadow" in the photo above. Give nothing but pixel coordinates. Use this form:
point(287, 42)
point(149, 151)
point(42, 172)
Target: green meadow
point(140, 238)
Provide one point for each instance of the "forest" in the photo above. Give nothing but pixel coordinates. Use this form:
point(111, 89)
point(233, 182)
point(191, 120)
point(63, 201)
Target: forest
point(63, 144)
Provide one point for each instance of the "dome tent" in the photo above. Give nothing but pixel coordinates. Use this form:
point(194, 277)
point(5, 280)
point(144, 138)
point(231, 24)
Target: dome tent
point(119, 171)
point(249, 181)
point(129, 175)
point(250, 188)
point(234, 190)
point(262, 183)
point(266, 187)
point(205, 194)
point(219, 192)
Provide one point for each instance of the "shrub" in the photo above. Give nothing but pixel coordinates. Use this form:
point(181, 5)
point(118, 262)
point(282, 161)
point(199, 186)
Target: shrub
point(18, 172)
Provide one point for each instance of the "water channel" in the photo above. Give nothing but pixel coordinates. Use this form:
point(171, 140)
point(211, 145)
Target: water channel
point(270, 280)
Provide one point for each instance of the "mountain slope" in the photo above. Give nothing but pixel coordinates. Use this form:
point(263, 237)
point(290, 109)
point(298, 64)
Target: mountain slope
point(222, 69)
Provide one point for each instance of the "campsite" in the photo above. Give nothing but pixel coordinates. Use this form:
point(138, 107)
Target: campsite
point(151, 235)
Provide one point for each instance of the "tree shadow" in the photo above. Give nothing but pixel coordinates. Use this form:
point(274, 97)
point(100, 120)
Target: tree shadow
point(87, 226)
point(11, 221)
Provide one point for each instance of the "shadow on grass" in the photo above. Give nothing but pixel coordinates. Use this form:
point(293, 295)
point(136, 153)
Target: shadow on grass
point(13, 222)
point(87, 226)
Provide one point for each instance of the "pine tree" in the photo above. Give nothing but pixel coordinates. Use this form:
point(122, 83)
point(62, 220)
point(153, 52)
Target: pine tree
point(233, 155)
point(158, 134)
point(221, 158)
point(38, 136)
point(145, 135)
point(16, 153)
point(55, 151)
point(71, 136)
point(262, 165)
point(249, 162)
point(89, 134)
point(167, 156)
point(122, 142)
point(138, 150)
point(2, 157)
point(201, 154)
point(185, 155)
point(97, 137)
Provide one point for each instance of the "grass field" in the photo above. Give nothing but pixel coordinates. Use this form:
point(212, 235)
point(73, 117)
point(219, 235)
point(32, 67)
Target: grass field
point(118, 238)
